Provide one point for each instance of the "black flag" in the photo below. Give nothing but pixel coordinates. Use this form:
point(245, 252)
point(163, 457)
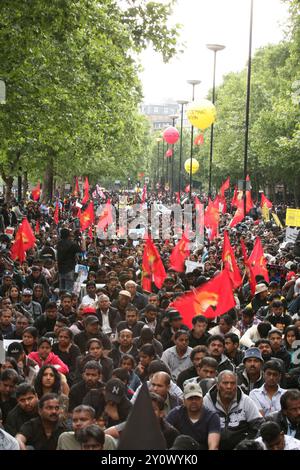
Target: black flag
point(142, 430)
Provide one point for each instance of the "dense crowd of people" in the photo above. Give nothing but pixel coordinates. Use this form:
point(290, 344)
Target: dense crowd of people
point(76, 352)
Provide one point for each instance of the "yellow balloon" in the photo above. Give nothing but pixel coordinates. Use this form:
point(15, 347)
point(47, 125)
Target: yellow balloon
point(201, 114)
point(195, 165)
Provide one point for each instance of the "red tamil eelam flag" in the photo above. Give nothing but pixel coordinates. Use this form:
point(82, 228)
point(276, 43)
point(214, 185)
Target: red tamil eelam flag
point(24, 240)
point(212, 299)
point(212, 217)
point(224, 187)
point(56, 213)
point(37, 227)
point(249, 202)
point(76, 189)
point(87, 217)
point(106, 217)
point(144, 194)
point(239, 214)
point(86, 191)
point(257, 264)
point(229, 262)
point(36, 192)
point(152, 267)
point(179, 254)
point(265, 202)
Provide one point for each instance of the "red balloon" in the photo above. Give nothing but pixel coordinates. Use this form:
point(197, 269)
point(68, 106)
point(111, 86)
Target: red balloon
point(171, 135)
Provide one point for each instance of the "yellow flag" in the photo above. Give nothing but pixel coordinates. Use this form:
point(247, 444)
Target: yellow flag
point(277, 221)
point(266, 213)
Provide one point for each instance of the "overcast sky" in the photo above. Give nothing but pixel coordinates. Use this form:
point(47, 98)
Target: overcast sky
point(210, 21)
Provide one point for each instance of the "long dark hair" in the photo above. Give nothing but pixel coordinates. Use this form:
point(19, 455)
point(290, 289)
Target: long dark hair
point(38, 385)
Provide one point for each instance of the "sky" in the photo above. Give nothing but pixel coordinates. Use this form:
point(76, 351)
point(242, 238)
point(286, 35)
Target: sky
point(225, 22)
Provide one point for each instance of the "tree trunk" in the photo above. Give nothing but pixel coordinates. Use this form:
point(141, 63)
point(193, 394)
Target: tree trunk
point(9, 180)
point(296, 193)
point(25, 184)
point(48, 180)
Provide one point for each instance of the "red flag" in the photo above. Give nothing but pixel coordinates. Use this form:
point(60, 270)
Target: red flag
point(24, 240)
point(187, 189)
point(36, 192)
point(199, 140)
point(211, 299)
point(177, 198)
point(87, 217)
point(106, 217)
point(249, 202)
point(152, 267)
point(144, 194)
point(212, 217)
point(37, 227)
point(76, 189)
point(179, 254)
point(257, 264)
point(239, 214)
point(169, 153)
point(230, 263)
point(265, 202)
point(56, 213)
point(224, 187)
point(86, 191)
point(17, 250)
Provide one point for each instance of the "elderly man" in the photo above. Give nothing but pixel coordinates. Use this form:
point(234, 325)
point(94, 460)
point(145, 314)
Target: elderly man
point(138, 300)
point(239, 415)
point(108, 316)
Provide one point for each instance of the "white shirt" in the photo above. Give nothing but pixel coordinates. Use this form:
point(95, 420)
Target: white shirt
point(290, 443)
point(87, 300)
point(106, 329)
point(264, 402)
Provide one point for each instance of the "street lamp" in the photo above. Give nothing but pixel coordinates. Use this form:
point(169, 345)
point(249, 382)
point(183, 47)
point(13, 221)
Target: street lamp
point(173, 117)
point(215, 48)
point(182, 103)
point(193, 83)
point(158, 140)
point(248, 107)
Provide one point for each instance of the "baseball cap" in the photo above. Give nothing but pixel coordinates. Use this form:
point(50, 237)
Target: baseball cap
point(89, 310)
point(15, 349)
point(260, 288)
point(192, 390)
point(114, 390)
point(253, 352)
point(185, 443)
point(27, 292)
point(173, 315)
point(125, 293)
point(7, 274)
point(91, 319)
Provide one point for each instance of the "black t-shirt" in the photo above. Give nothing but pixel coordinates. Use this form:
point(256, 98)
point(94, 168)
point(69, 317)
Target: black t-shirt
point(66, 255)
point(6, 406)
point(198, 341)
point(68, 358)
point(78, 392)
point(16, 418)
point(35, 435)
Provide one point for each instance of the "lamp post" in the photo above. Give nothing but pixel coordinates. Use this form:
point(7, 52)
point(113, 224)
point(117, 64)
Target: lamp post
point(182, 103)
point(215, 48)
point(158, 140)
point(193, 83)
point(248, 108)
point(173, 117)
